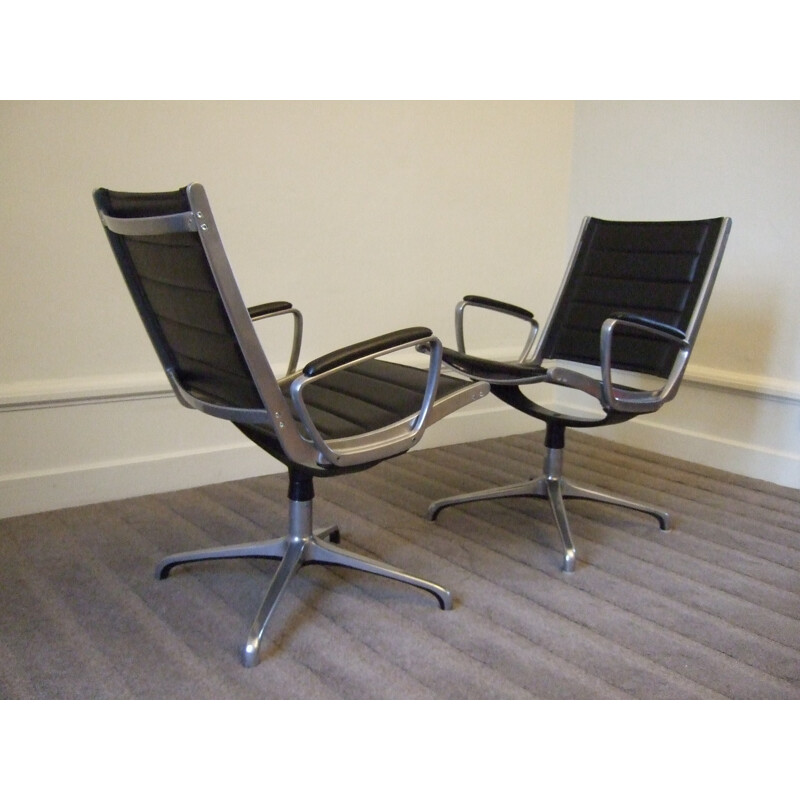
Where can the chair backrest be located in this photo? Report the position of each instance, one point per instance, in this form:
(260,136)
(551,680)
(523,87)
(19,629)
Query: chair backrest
(660,270)
(171,256)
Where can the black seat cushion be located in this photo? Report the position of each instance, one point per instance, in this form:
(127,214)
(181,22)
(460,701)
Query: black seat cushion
(357,400)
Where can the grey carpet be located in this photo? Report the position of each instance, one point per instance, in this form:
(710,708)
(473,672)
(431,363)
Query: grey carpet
(708,610)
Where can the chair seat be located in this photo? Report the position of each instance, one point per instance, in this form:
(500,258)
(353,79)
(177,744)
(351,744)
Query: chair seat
(357,400)
(630,303)
(171,257)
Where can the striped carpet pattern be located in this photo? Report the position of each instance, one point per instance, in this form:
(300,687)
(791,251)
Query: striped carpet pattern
(710,610)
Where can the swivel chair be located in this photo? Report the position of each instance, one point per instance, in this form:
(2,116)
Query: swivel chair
(342,412)
(621,331)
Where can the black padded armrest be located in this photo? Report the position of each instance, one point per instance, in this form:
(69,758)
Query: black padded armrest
(493,371)
(345,355)
(498,305)
(652,324)
(504,308)
(265,309)
(278,308)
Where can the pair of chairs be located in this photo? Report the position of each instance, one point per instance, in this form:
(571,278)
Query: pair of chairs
(632,299)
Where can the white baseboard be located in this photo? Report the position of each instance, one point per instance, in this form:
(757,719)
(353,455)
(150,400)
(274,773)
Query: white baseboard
(45,490)
(736,425)
(741,458)
(130,438)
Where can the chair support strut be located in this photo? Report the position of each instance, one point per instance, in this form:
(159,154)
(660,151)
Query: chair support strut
(553,486)
(301,546)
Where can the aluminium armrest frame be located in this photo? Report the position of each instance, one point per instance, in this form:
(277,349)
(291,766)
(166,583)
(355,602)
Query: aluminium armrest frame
(363,448)
(383,442)
(277,309)
(508,309)
(640,401)
(301,447)
(612,397)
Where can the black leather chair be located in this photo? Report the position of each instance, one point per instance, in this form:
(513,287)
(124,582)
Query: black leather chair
(621,331)
(343,412)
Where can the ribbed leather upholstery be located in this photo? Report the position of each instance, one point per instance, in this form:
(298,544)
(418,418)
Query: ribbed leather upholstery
(368,396)
(171,256)
(359,399)
(173,274)
(650,268)
(175,277)
(177,297)
(645,279)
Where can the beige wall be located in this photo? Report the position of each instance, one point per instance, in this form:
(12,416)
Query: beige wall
(371,216)
(740,409)
(367,216)
(702,159)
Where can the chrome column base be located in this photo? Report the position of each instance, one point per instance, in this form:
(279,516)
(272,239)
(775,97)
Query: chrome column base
(301,546)
(555,488)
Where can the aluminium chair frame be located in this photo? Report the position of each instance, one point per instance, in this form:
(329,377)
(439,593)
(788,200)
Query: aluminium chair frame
(305,451)
(617,402)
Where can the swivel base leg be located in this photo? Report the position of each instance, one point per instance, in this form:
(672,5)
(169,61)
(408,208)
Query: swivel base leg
(540,487)
(555,488)
(299,547)
(571,490)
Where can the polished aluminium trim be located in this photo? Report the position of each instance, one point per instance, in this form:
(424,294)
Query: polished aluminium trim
(297,337)
(384,442)
(296,448)
(536,357)
(692,329)
(472,391)
(150,226)
(555,488)
(527,348)
(397,438)
(300,546)
(613,397)
(245,416)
